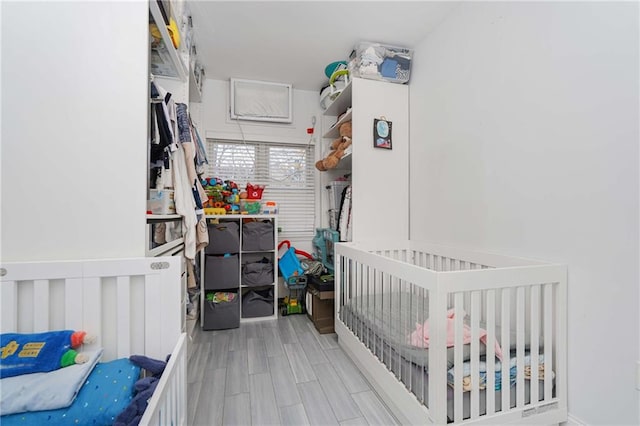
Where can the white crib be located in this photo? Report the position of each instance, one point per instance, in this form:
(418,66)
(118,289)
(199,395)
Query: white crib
(133,306)
(383,290)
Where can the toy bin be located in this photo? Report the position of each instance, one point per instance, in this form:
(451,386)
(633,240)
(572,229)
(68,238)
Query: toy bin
(258,236)
(161,201)
(221,315)
(258,303)
(221,272)
(379,61)
(257,274)
(224,237)
(250,206)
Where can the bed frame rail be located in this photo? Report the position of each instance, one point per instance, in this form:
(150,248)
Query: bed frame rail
(131,305)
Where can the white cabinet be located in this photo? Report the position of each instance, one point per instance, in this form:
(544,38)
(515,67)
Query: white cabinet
(380,177)
(239,271)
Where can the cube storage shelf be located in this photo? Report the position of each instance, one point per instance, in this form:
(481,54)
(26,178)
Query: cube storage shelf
(240,264)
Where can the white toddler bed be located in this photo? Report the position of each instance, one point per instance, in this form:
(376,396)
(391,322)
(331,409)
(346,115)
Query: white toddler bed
(422,322)
(132,306)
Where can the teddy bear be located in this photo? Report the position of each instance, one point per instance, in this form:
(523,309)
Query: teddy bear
(41,352)
(338,146)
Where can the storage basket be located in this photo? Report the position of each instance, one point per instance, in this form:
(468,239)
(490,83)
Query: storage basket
(257,273)
(257,303)
(223,315)
(258,236)
(224,237)
(221,272)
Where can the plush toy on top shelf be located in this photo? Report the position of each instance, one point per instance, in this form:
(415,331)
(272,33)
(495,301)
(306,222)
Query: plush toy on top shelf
(338,147)
(41,352)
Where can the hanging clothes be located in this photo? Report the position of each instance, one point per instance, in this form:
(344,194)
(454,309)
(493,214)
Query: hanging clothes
(345,216)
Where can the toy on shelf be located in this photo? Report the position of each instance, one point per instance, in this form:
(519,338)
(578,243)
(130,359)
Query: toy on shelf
(254,192)
(338,148)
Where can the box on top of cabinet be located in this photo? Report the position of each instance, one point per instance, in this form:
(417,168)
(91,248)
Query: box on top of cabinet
(379,61)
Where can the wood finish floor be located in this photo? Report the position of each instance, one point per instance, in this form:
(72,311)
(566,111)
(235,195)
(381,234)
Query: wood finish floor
(278,372)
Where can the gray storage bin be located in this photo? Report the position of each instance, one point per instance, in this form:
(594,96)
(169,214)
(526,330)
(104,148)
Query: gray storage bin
(224,237)
(257,303)
(257,236)
(220,316)
(257,274)
(221,272)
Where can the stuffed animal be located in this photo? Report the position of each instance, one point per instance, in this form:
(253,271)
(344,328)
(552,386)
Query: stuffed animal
(338,146)
(41,352)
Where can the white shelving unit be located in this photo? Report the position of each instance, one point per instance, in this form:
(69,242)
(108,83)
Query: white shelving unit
(166,61)
(239,255)
(375,172)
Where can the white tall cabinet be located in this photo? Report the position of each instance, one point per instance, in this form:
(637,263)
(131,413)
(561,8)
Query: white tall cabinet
(74,125)
(380,177)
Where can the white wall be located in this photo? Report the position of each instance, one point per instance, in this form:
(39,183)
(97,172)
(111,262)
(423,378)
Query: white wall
(74,102)
(524,141)
(212,119)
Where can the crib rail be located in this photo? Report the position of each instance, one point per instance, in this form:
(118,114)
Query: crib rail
(131,305)
(434,317)
(168,405)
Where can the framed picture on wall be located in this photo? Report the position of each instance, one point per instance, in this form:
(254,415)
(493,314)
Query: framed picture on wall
(381,133)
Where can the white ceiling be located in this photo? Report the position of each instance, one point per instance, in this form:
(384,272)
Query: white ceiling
(293,41)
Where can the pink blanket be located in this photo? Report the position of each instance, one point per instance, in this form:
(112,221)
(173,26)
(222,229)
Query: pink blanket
(420,337)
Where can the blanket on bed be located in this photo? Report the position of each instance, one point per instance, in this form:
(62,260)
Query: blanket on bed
(106,392)
(45,391)
(467,380)
(421,337)
(391,316)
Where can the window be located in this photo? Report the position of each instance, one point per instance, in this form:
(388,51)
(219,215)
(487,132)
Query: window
(286,170)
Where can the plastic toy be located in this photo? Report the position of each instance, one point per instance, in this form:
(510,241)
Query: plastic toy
(41,352)
(214,210)
(254,192)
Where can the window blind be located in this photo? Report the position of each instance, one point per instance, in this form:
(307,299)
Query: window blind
(286,170)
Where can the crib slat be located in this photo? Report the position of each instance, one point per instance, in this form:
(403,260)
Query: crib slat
(40,305)
(9,300)
(506,344)
(548,341)
(534,347)
(491,366)
(72,293)
(475,354)
(152,309)
(458,399)
(92,312)
(123,316)
(520,323)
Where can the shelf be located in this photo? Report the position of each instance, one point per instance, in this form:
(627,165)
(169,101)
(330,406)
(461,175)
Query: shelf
(195,92)
(342,102)
(164,249)
(334,131)
(162,217)
(345,161)
(165,60)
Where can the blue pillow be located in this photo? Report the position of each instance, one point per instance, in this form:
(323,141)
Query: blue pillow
(107,392)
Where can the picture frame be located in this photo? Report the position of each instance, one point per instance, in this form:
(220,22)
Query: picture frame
(382,133)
